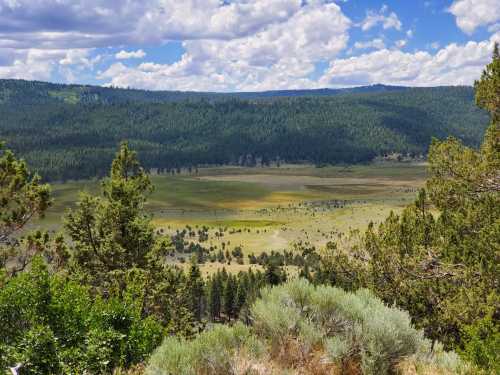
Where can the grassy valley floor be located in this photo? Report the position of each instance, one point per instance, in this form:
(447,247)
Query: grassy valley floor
(264,209)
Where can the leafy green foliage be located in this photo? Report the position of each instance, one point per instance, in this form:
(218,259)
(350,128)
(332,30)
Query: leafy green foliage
(22,197)
(51,325)
(38,352)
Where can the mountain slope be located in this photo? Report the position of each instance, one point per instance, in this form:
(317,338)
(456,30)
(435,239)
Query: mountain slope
(72,131)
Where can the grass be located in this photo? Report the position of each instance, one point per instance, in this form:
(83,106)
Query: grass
(268,208)
(193,193)
(67,96)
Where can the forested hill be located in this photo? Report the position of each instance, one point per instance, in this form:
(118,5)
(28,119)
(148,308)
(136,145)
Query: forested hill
(35,92)
(72,131)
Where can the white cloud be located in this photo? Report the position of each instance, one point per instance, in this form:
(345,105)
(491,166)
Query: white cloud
(100,23)
(79,57)
(123,55)
(258,43)
(471,14)
(280,55)
(400,43)
(434,45)
(452,65)
(383,17)
(242,45)
(377,43)
(41,64)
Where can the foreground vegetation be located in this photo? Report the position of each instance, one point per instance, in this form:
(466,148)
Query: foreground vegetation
(307,329)
(100,296)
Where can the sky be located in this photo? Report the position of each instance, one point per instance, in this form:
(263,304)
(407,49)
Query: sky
(247,45)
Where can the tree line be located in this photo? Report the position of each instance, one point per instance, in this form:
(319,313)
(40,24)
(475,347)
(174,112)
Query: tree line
(64,136)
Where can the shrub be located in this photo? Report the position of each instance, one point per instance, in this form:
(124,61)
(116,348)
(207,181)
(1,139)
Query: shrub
(213,352)
(174,356)
(349,325)
(104,350)
(312,330)
(482,343)
(38,352)
(52,325)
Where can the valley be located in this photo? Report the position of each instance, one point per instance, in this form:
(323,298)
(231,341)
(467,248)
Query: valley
(265,209)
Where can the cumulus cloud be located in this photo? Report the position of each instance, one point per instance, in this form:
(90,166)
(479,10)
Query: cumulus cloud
(124,55)
(400,43)
(40,64)
(280,55)
(101,23)
(471,14)
(228,45)
(383,17)
(453,65)
(377,43)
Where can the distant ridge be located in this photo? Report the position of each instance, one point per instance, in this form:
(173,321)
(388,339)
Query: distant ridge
(90,93)
(321,92)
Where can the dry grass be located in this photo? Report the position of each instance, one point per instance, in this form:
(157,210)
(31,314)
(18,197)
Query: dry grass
(409,367)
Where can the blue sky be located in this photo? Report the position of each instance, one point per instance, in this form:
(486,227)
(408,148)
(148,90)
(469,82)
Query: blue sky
(235,45)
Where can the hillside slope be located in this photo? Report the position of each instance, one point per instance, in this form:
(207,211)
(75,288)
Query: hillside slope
(68,132)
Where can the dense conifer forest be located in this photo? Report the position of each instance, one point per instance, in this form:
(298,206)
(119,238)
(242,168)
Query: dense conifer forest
(71,131)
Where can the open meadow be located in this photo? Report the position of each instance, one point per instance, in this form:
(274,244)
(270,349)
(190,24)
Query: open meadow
(266,209)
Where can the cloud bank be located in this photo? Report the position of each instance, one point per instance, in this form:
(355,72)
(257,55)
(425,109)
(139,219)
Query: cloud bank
(232,45)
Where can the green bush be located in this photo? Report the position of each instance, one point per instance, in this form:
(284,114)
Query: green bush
(296,319)
(482,343)
(38,352)
(213,352)
(174,356)
(53,325)
(349,325)
(23,303)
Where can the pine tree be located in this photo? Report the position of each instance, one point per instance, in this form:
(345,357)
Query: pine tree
(229,297)
(195,290)
(111,233)
(22,196)
(215,296)
(241,292)
(273,274)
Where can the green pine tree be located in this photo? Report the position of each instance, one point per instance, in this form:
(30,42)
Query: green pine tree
(195,290)
(229,297)
(111,233)
(215,296)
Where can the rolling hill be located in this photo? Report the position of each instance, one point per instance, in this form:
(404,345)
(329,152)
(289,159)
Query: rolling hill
(71,131)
